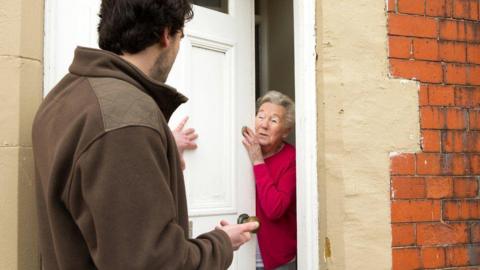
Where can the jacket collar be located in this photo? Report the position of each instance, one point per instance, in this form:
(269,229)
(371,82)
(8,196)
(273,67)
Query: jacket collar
(99,63)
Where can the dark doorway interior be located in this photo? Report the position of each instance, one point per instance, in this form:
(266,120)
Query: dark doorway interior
(274,49)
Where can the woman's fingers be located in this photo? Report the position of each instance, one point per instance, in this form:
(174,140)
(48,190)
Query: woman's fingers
(192,137)
(181,125)
(189,131)
(250,132)
(191,146)
(247,132)
(248,141)
(249,136)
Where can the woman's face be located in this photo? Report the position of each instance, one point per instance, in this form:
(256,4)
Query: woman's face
(270,126)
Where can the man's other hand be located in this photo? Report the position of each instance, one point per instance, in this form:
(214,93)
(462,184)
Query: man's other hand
(239,233)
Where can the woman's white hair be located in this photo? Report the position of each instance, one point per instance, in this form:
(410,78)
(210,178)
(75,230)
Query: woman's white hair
(280,99)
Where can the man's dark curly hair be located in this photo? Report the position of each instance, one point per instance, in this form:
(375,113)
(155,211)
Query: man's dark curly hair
(133,25)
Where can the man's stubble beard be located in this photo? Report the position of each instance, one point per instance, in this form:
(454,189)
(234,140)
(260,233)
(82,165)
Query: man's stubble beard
(161,68)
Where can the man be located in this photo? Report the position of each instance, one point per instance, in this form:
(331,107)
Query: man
(110,188)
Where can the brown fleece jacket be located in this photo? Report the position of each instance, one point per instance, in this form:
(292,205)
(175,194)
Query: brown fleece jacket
(110,190)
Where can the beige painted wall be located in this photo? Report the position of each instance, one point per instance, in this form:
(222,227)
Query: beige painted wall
(363,115)
(21,50)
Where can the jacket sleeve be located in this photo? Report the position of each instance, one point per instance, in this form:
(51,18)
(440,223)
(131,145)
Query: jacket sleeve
(275,195)
(121,200)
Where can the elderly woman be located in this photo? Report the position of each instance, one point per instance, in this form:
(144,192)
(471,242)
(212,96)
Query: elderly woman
(273,162)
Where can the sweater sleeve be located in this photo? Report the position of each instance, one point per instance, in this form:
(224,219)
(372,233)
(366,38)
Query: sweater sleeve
(275,195)
(122,202)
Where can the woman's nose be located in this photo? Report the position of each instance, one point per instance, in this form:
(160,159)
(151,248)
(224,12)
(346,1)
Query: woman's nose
(264,124)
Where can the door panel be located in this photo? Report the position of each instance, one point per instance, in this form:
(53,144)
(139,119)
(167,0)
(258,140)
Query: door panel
(215,69)
(210,163)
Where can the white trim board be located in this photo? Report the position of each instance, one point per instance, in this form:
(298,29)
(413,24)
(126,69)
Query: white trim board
(306,135)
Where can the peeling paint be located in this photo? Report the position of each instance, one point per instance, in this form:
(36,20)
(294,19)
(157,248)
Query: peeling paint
(393,154)
(380,121)
(327,249)
(404,81)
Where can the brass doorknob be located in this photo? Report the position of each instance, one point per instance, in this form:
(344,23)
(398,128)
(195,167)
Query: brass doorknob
(244,218)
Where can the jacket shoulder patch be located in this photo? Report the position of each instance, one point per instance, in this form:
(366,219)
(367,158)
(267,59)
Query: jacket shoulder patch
(122,104)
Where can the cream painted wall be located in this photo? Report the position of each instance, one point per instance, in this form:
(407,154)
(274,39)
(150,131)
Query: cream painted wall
(21,50)
(363,115)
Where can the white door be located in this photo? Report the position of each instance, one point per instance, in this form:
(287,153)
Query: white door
(215,69)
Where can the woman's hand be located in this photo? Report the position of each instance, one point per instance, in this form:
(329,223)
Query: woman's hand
(185,139)
(254,150)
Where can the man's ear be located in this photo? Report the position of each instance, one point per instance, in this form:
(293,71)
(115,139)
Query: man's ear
(165,37)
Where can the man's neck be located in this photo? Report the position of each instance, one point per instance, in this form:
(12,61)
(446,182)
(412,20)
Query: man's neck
(143,60)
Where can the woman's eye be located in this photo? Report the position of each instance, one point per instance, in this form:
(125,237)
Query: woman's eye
(275,121)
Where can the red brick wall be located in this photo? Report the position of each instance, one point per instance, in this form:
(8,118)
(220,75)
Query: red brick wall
(435,203)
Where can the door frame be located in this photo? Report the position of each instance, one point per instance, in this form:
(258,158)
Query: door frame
(306,124)
(306,134)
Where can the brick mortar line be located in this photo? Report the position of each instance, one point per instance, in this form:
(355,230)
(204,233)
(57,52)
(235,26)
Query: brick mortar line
(437,222)
(436,61)
(434,17)
(461,176)
(415,233)
(437,199)
(441,175)
(452,107)
(445,246)
(467,126)
(390,76)
(466,267)
(437,245)
(433,152)
(438,39)
(440,245)
(469,232)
